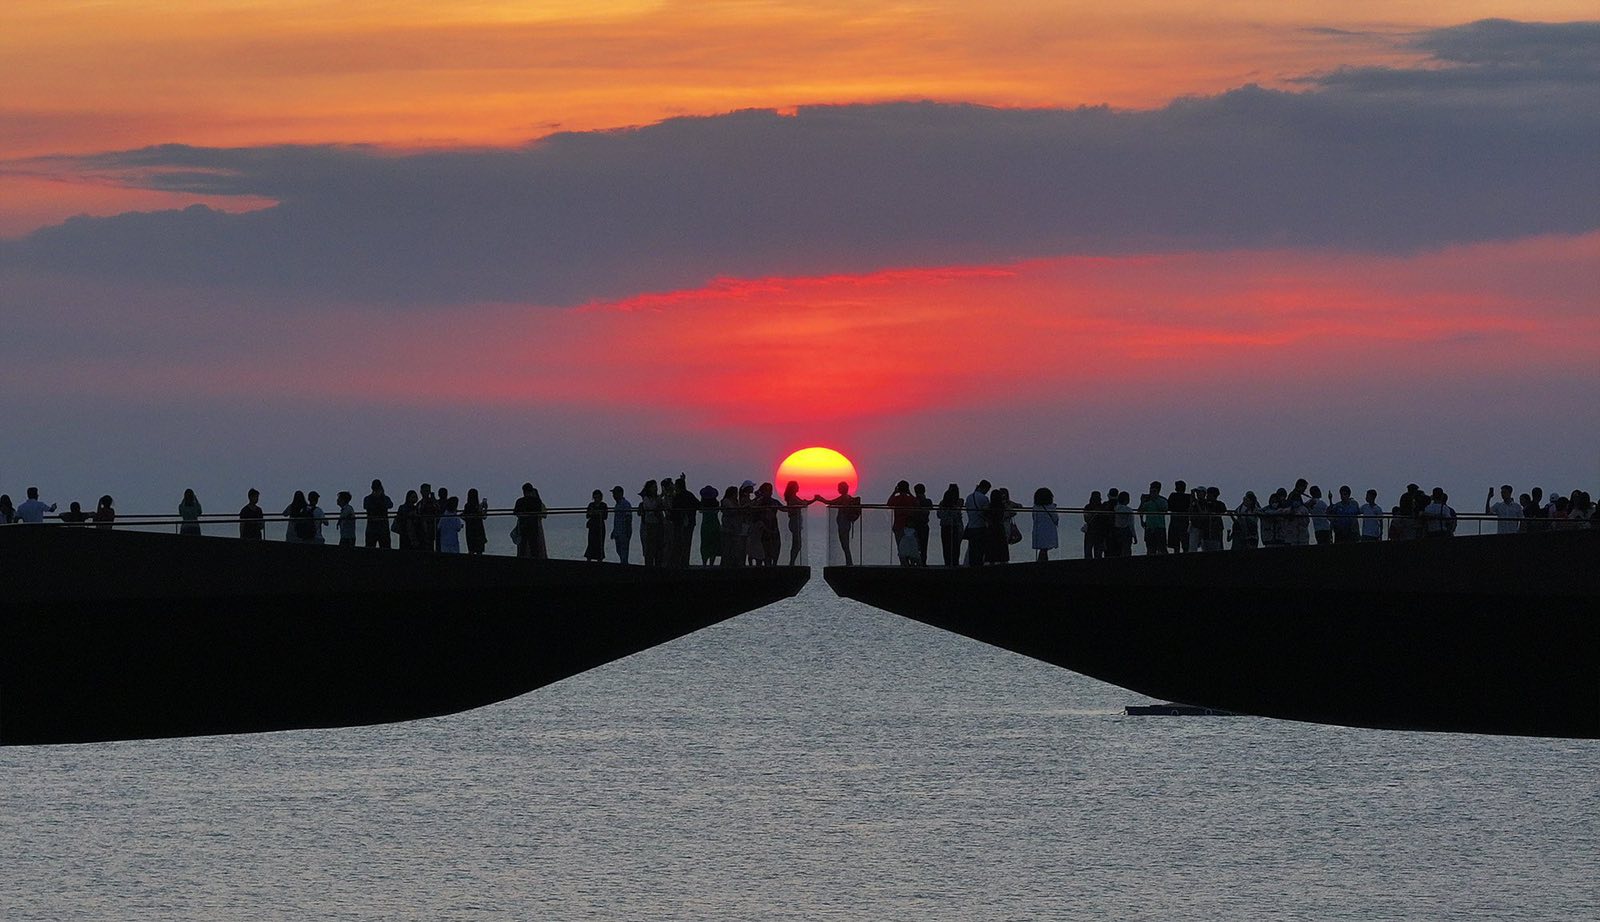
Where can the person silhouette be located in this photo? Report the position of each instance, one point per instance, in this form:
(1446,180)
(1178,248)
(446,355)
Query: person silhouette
(33,509)
(426,523)
(104,513)
(847,509)
(347,519)
(621,523)
(476,516)
(8,512)
(405,522)
(594,520)
(950,515)
(252,524)
(1046,522)
(710,526)
(189,511)
(977,526)
(74,515)
(316,515)
(733,527)
(296,512)
(795,506)
(450,526)
(650,523)
(376,505)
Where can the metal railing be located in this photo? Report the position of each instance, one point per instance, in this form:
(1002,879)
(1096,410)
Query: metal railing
(563,532)
(876,534)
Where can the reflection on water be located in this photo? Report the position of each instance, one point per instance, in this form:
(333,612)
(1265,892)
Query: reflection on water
(816,759)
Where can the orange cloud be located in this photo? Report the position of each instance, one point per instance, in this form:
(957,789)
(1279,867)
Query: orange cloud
(85,76)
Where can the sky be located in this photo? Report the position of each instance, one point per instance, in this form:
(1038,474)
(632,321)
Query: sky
(296,245)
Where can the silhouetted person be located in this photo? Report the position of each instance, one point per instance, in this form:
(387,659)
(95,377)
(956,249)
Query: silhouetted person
(621,523)
(1178,504)
(377,505)
(950,525)
(1153,519)
(767,544)
(749,523)
(796,508)
(1534,516)
(405,522)
(189,511)
(1507,512)
(1119,543)
(1211,527)
(1344,517)
(347,519)
(33,510)
(1000,538)
(1371,518)
(594,522)
(1246,534)
(530,510)
(298,513)
(104,514)
(8,512)
(450,526)
(921,521)
(444,502)
(732,508)
(976,530)
(476,517)
(686,509)
(901,504)
(1096,526)
(252,521)
(74,515)
(1403,519)
(1320,526)
(427,520)
(317,516)
(710,526)
(651,523)
(1046,524)
(847,510)
(1438,519)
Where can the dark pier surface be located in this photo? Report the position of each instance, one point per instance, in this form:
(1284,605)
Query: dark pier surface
(1494,634)
(120,635)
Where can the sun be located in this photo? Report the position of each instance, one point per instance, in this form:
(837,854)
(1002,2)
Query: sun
(817,470)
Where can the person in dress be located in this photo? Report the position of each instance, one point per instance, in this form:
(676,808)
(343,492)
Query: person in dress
(189,512)
(450,527)
(1046,524)
(8,512)
(594,520)
(950,515)
(476,516)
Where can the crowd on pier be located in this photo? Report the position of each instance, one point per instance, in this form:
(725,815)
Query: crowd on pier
(745,525)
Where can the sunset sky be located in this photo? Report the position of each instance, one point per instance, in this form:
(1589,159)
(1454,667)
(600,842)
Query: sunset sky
(302,244)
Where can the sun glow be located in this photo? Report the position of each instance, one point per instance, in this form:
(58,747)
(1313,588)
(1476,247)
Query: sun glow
(818,470)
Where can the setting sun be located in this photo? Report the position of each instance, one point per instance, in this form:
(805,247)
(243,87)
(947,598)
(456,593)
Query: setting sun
(818,471)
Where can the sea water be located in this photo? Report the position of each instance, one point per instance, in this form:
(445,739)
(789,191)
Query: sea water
(817,759)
